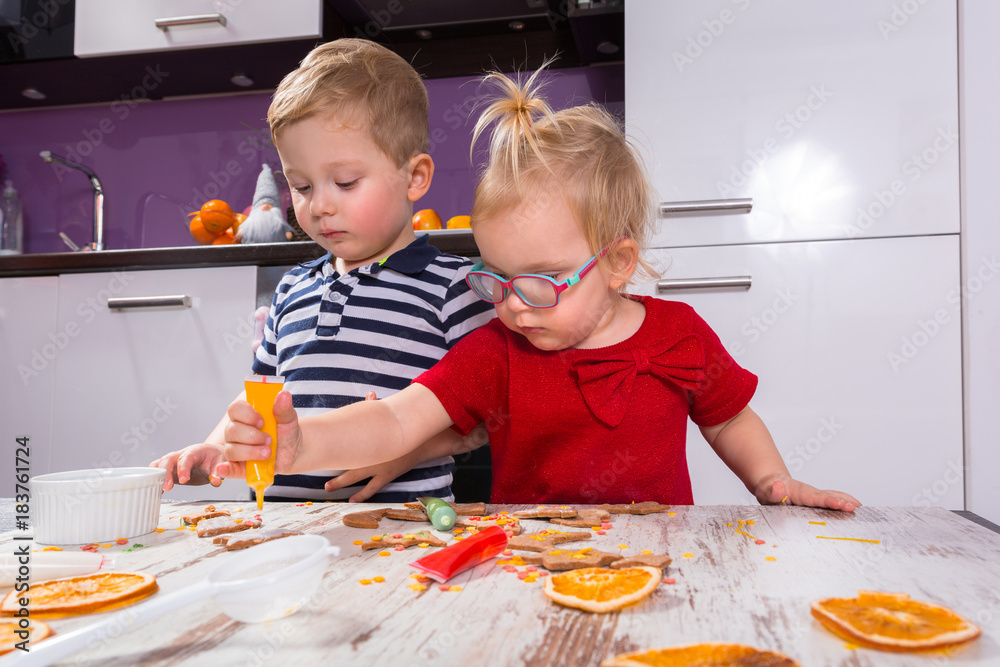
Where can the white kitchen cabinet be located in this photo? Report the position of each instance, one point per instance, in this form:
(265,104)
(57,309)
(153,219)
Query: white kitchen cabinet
(857,345)
(839,120)
(30,344)
(139,382)
(113,27)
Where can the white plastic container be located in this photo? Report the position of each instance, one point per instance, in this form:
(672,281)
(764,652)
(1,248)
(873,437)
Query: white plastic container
(98,505)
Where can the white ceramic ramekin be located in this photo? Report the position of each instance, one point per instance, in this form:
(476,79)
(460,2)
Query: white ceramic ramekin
(99,505)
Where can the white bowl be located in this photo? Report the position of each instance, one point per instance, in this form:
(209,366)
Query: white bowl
(99,505)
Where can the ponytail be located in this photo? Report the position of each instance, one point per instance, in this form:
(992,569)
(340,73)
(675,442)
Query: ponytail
(514,117)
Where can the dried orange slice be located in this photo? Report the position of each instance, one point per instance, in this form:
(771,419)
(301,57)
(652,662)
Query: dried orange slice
(600,589)
(701,655)
(893,622)
(9,637)
(81,595)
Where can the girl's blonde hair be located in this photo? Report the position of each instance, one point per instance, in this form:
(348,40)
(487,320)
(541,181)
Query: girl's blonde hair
(583,150)
(359,81)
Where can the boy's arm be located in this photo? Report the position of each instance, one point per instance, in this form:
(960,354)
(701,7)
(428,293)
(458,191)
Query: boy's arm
(361,434)
(447,443)
(746,446)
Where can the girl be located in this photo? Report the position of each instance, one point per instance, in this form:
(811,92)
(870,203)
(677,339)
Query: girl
(584,389)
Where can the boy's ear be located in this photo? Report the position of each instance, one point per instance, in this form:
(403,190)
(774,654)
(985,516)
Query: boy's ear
(421,173)
(622,258)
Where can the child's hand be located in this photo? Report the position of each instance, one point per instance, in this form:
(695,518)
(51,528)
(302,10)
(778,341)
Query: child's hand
(783,489)
(246,442)
(194,465)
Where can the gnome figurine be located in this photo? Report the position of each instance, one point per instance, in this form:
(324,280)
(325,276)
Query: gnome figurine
(266,222)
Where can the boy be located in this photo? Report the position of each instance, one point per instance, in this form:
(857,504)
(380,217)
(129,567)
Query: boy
(350,125)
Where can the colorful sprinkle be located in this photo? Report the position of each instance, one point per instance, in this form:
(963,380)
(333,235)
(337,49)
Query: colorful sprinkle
(399,547)
(605,526)
(160,530)
(52,549)
(308,502)
(602,532)
(852,539)
(383,553)
(424,545)
(398,536)
(417,587)
(121,540)
(378,580)
(358,542)
(646,552)
(623,546)
(376,538)
(670,580)
(743,533)
(770,558)
(759,542)
(454,589)
(689,555)
(818,523)
(671,513)
(443,587)
(508,552)
(106,546)
(364,582)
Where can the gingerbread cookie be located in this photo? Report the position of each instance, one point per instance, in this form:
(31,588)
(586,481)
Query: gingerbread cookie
(368,520)
(651,560)
(544,540)
(253,539)
(403,539)
(224,524)
(585,518)
(208,513)
(646,507)
(407,515)
(461,509)
(543,512)
(557,560)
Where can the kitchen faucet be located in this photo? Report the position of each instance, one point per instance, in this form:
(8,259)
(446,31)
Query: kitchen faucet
(95,183)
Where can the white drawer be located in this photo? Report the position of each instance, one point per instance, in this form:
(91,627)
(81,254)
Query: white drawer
(857,345)
(136,383)
(107,27)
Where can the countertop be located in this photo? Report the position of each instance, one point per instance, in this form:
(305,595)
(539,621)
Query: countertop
(743,574)
(456,242)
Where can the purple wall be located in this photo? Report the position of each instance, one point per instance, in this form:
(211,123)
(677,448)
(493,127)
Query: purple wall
(160,160)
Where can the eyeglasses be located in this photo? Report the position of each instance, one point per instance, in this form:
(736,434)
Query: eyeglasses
(534,290)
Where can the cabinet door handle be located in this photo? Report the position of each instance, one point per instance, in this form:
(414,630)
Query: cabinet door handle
(681,209)
(195,19)
(136,302)
(735,282)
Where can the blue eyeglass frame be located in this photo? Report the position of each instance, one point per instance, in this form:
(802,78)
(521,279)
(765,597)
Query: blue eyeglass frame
(559,286)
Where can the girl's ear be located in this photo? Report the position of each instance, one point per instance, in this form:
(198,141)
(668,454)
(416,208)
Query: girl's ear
(421,173)
(622,258)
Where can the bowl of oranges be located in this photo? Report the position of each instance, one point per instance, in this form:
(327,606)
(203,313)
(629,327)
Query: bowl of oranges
(215,223)
(428,220)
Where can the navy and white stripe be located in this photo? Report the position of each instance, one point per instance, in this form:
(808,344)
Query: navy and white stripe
(335,337)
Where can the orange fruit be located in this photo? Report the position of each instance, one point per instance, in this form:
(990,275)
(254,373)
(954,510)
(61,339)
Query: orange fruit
(460,222)
(216,215)
(225,238)
(37,631)
(893,622)
(426,219)
(199,233)
(701,655)
(240,217)
(82,595)
(600,589)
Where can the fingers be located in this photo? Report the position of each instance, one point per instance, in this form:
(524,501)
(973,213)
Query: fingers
(284,413)
(368,491)
(230,470)
(347,478)
(370,396)
(168,463)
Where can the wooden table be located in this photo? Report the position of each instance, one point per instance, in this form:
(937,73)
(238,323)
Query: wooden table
(728,588)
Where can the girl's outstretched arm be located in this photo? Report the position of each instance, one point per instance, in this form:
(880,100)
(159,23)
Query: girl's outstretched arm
(746,446)
(353,436)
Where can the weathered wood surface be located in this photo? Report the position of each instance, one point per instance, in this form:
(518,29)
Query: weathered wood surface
(726,590)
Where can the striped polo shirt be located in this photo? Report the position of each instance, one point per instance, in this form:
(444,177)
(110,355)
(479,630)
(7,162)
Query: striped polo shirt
(335,337)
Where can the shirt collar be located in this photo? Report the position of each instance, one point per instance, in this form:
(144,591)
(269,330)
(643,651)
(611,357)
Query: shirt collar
(411,260)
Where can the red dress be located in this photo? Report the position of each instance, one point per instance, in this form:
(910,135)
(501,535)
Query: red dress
(603,425)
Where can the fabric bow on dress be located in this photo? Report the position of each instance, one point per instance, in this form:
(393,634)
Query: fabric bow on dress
(607,382)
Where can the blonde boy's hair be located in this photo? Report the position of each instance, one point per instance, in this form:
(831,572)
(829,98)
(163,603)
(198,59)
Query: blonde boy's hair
(359,82)
(582,151)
